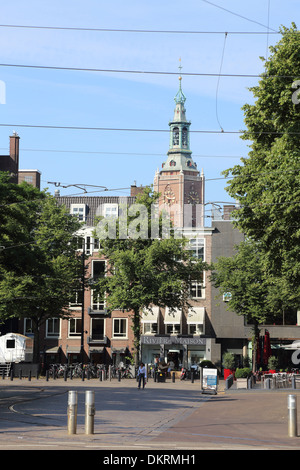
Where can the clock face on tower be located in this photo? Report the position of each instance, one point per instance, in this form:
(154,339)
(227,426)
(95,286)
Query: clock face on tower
(169,196)
(193,197)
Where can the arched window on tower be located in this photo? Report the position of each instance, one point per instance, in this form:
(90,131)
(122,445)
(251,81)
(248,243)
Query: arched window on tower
(176,136)
(184,137)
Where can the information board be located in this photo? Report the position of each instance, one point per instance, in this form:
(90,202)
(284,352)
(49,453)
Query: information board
(209,380)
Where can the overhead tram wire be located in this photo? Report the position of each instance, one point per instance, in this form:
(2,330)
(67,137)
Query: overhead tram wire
(138,31)
(116,129)
(146,72)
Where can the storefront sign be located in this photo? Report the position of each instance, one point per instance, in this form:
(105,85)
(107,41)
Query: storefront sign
(145,339)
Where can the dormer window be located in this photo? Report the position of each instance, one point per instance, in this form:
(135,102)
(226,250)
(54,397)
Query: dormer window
(79,210)
(172,163)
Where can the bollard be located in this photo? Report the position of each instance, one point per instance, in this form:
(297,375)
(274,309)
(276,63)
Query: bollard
(29,376)
(11,375)
(173,377)
(109,372)
(82,375)
(292,418)
(72,412)
(119,376)
(89,412)
(20,374)
(65,375)
(3,374)
(192,377)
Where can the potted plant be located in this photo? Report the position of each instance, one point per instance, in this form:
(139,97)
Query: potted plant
(228,364)
(272,364)
(242,376)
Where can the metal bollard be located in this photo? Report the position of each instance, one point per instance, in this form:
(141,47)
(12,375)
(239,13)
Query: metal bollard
(89,412)
(29,376)
(119,376)
(109,372)
(292,415)
(72,412)
(173,377)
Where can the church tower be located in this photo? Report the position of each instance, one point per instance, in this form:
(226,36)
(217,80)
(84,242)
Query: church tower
(179,182)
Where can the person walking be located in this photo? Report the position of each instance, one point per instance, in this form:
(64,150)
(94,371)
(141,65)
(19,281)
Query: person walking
(142,375)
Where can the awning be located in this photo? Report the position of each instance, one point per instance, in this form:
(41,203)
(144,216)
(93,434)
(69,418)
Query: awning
(196,315)
(149,316)
(96,350)
(73,350)
(172,317)
(54,350)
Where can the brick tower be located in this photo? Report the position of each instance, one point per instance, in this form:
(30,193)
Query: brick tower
(179,182)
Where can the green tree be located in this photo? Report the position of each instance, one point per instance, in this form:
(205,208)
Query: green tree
(267,183)
(254,293)
(39,269)
(144,271)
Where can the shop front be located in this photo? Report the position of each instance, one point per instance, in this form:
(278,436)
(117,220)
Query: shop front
(178,351)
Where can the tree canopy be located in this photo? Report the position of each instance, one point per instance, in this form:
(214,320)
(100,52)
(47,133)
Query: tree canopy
(267,182)
(39,269)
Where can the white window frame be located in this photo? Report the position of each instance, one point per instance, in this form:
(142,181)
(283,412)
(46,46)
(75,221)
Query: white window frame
(198,286)
(120,335)
(99,303)
(198,329)
(198,244)
(79,210)
(74,335)
(111,210)
(148,328)
(53,335)
(172,329)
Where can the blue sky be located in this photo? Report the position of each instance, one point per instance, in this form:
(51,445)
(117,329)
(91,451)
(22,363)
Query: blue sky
(114,158)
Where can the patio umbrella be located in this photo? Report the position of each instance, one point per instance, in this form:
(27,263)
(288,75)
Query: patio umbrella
(267,347)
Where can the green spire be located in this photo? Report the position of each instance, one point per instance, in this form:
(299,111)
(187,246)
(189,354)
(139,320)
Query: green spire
(180,97)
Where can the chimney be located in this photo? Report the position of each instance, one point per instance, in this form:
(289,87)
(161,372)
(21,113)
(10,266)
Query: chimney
(14,149)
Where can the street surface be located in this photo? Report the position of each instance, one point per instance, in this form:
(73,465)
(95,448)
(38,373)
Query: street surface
(165,417)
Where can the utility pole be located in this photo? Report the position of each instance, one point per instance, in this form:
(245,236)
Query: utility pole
(82,302)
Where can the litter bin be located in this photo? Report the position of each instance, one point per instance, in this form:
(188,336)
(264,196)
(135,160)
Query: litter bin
(161,376)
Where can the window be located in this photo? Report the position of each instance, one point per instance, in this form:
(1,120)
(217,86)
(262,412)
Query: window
(197,290)
(76,299)
(78,210)
(97,329)
(184,137)
(173,329)
(196,246)
(75,327)
(98,270)
(150,328)
(176,136)
(53,328)
(119,327)
(10,344)
(111,210)
(28,327)
(195,329)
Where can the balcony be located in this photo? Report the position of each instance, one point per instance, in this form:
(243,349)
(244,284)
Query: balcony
(97,339)
(100,312)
